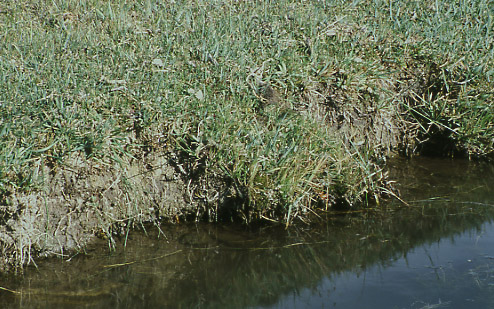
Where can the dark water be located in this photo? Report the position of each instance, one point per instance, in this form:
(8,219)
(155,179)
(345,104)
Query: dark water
(437,252)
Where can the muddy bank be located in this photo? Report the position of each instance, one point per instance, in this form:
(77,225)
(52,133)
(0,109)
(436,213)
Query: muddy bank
(82,199)
(85,198)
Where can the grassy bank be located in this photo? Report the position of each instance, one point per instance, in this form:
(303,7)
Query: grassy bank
(252,109)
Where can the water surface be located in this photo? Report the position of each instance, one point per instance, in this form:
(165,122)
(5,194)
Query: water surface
(437,252)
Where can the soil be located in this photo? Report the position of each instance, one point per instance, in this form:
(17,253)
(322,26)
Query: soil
(83,199)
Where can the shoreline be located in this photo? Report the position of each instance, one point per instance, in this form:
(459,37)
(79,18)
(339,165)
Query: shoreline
(116,114)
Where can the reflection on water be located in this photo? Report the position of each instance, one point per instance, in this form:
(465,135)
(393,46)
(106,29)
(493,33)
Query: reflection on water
(436,252)
(451,273)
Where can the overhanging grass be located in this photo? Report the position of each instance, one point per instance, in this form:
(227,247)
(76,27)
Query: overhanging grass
(113,79)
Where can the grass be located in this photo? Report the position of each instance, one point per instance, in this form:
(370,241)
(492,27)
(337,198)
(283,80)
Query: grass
(119,79)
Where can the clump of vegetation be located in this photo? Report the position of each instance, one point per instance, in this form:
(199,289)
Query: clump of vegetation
(446,79)
(286,107)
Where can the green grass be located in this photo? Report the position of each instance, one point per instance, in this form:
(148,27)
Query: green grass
(115,79)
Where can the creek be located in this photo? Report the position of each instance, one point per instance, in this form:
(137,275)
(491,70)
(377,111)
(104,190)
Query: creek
(435,252)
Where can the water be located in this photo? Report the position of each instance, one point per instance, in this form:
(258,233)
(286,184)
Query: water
(438,252)
(452,273)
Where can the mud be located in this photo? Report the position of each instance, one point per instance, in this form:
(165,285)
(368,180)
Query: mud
(357,117)
(83,199)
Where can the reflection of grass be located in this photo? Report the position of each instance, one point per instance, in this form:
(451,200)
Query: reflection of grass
(270,264)
(289,261)
(483,275)
(112,80)
(423,305)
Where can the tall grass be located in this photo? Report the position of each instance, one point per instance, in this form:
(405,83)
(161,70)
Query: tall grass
(114,79)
